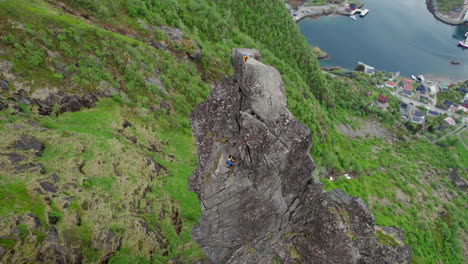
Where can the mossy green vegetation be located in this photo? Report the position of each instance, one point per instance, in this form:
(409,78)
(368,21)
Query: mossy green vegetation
(386,239)
(449,5)
(106,179)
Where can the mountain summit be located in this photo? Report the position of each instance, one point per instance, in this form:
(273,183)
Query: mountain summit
(268,207)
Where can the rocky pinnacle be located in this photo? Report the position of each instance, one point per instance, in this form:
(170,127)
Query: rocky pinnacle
(268,207)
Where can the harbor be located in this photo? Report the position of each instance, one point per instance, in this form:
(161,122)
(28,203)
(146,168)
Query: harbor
(392,44)
(464,43)
(343,9)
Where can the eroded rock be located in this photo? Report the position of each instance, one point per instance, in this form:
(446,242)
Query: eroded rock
(269,206)
(48,187)
(28,142)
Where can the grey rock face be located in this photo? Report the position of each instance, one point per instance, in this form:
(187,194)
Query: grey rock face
(28,142)
(268,206)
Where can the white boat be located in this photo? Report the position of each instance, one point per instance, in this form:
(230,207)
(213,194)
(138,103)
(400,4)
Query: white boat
(421,77)
(464,43)
(413,77)
(353,17)
(364,12)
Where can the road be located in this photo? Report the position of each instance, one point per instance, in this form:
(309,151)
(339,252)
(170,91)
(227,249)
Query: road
(431,105)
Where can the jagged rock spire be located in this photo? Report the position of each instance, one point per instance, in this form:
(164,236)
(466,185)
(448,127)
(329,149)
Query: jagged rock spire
(269,206)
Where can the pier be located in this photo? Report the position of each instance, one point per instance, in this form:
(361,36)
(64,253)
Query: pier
(361,12)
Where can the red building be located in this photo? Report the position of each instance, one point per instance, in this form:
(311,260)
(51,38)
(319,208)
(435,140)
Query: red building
(383,99)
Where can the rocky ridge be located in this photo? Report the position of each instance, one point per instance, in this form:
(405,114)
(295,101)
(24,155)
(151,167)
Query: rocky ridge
(269,207)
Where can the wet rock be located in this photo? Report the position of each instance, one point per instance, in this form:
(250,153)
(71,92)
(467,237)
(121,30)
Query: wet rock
(52,235)
(54,177)
(20,97)
(159,46)
(77,220)
(3,106)
(48,187)
(73,103)
(3,86)
(132,139)
(28,142)
(36,221)
(157,82)
(30,167)
(269,205)
(53,218)
(176,36)
(174,261)
(126,124)
(105,240)
(58,254)
(13,157)
(47,103)
(458,181)
(167,106)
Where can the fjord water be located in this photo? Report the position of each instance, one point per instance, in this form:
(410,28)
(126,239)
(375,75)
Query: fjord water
(396,35)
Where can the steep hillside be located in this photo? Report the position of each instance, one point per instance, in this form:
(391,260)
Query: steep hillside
(96,147)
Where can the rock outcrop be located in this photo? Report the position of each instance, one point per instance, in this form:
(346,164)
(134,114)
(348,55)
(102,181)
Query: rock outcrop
(269,208)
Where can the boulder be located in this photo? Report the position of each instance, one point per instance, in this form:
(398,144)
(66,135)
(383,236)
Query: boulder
(73,103)
(3,106)
(3,86)
(176,37)
(13,157)
(269,207)
(20,97)
(48,187)
(28,142)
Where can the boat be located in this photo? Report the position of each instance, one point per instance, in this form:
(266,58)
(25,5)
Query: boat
(364,12)
(413,77)
(464,43)
(421,77)
(353,17)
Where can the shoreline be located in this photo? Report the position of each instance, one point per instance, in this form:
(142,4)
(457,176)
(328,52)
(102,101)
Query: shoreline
(431,7)
(303,11)
(429,76)
(315,12)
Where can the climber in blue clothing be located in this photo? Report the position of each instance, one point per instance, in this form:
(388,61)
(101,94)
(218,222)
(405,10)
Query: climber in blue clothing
(231,161)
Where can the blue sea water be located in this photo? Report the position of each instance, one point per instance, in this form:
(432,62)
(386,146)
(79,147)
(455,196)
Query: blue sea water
(396,35)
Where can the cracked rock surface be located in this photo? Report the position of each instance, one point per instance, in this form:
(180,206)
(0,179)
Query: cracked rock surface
(268,207)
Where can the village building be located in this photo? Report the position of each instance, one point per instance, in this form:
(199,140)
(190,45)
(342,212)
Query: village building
(383,99)
(390,84)
(407,93)
(416,120)
(407,81)
(421,89)
(443,87)
(450,121)
(432,113)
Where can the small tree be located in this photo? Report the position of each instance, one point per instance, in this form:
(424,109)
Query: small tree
(360,68)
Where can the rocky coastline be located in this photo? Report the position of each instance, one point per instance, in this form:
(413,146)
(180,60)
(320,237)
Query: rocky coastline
(449,18)
(303,11)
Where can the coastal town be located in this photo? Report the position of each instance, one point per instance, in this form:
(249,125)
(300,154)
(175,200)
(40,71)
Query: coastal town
(424,104)
(300,9)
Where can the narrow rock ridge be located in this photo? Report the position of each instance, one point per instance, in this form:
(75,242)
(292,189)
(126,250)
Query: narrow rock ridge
(269,207)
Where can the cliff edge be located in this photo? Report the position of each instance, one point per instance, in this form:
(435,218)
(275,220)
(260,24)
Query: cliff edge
(268,207)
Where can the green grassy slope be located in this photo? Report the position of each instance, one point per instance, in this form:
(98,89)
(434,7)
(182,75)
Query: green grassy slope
(80,46)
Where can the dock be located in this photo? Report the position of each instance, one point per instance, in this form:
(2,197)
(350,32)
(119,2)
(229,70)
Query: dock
(362,13)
